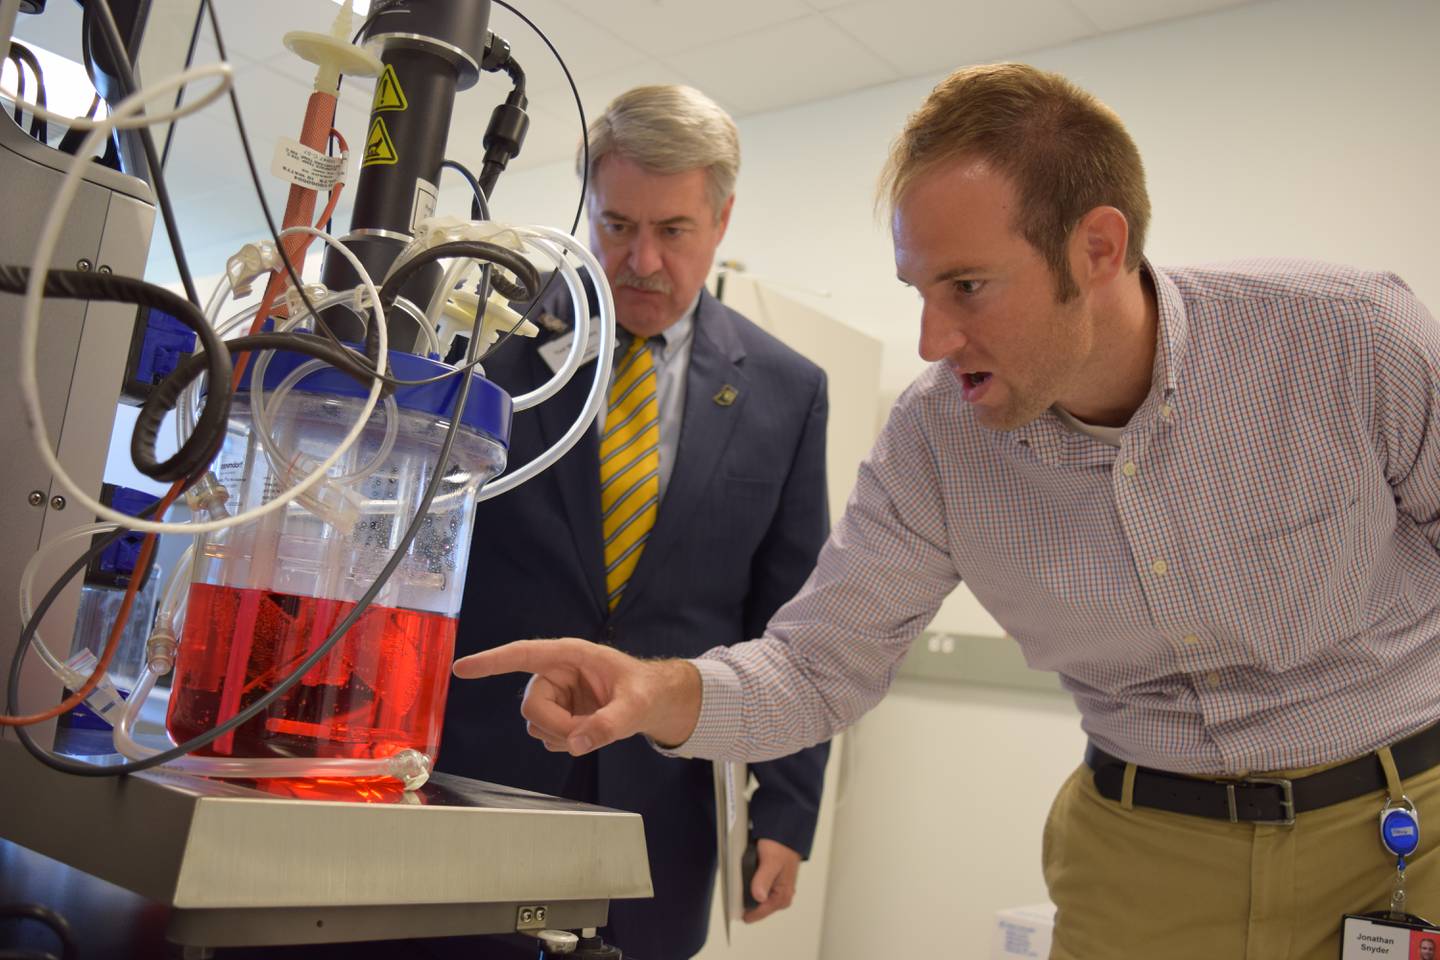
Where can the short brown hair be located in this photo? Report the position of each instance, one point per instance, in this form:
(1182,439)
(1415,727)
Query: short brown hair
(1066,152)
(669,128)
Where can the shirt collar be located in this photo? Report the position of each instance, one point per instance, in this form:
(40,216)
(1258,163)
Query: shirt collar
(1047,433)
(674,336)
(679,333)
(1173,334)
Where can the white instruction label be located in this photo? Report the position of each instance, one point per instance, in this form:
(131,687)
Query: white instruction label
(298,164)
(423,205)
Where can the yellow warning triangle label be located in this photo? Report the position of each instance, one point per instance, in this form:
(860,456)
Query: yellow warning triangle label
(379,148)
(388,94)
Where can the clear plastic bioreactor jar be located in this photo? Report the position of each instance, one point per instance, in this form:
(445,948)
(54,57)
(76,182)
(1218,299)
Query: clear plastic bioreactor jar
(266,594)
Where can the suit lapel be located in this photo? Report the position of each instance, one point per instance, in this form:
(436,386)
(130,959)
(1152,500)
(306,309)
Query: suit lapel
(577,474)
(705,431)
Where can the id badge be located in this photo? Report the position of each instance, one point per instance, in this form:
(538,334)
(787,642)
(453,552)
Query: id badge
(1371,937)
(553,352)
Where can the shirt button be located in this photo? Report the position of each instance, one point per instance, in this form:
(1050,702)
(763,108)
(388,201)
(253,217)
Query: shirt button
(1128,469)
(1159,567)
(1191,640)
(1213,680)
(1166,410)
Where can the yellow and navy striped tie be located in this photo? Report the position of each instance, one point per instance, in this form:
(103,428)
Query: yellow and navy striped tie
(629,466)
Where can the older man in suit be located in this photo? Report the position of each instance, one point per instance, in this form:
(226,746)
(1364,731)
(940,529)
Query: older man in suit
(683,521)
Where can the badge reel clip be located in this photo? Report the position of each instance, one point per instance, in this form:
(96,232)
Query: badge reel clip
(1400,835)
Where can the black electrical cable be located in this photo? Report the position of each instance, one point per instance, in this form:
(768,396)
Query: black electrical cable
(19,53)
(162,397)
(192,458)
(18,112)
(43,915)
(180,94)
(524,270)
(479,206)
(512,68)
(579,107)
(113,40)
(505,134)
(27,635)
(70,142)
(584,177)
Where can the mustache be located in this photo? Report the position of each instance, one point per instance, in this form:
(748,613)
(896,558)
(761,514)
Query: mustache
(654,282)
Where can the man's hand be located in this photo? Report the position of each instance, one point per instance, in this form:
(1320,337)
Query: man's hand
(583,696)
(773,885)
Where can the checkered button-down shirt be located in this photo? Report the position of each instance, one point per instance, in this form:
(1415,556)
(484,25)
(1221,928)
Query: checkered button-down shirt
(1250,582)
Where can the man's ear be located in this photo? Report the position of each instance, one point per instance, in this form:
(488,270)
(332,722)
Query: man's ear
(1098,246)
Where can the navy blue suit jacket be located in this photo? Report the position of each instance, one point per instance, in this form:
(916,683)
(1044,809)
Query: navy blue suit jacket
(739,527)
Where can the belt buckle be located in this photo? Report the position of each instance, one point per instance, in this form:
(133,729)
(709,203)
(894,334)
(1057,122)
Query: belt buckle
(1287,798)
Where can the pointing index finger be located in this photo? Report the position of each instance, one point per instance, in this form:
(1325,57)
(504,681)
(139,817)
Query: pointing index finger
(521,656)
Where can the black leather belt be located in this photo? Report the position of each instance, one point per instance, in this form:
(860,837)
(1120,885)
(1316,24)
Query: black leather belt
(1263,799)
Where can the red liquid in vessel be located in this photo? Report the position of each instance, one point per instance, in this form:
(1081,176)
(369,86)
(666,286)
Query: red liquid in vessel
(380,690)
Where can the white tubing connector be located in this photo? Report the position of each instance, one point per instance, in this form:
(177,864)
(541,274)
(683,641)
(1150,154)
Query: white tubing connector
(333,53)
(104,700)
(458,317)
(251,261)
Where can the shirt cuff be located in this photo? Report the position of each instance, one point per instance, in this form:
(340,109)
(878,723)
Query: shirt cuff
(719,726)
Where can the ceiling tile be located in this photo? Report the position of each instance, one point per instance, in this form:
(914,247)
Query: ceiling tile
(588,48)
(272,103)
(1111,15)
(785,64)
(663,28)
(921,36)
(204,152)
(597,91)
(256,28)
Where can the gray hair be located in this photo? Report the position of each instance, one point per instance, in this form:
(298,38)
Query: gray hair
(669,129)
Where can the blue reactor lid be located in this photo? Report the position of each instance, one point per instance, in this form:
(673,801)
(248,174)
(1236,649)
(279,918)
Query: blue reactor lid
(487,409)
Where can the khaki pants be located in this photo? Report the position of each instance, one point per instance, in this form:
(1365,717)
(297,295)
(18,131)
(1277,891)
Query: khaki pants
(1137,883)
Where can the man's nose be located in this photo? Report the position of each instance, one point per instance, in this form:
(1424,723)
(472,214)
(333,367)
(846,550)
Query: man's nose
(940,335)
(644,254)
